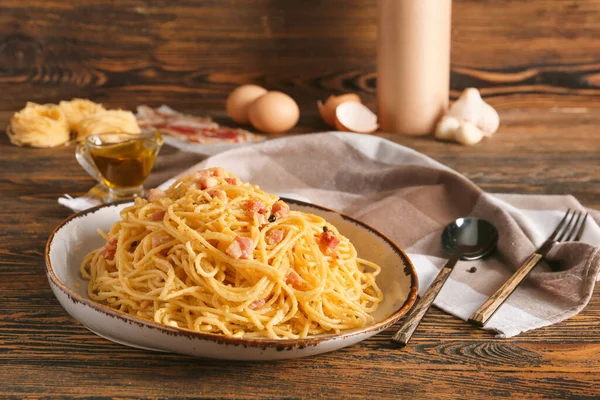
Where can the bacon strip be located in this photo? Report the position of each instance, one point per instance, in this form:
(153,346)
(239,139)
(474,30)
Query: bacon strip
(258,208)
(206,182)
(295,280)
(257,304)
(280,209)
(196,176)
(274,236)
(110,248)
(218,172)
(240,247)
(328,241)
(190,128)
(254,206)
(158,215)
(218,194)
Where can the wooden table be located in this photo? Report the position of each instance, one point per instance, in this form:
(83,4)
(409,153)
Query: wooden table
(535,60)
(45,352)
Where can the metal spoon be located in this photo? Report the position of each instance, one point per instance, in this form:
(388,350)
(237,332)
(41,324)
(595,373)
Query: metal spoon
(467,239)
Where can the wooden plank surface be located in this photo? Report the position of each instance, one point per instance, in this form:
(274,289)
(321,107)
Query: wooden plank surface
(190,54)
(45,352)
(535,60)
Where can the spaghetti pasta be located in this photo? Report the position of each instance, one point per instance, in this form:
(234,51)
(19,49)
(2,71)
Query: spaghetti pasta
(212,254)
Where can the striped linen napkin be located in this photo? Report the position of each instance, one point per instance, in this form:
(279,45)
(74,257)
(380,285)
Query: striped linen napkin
(411,198)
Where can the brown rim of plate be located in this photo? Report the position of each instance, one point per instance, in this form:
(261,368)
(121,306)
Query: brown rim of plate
(409,269)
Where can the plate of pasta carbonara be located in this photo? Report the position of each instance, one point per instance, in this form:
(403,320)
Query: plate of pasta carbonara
(216,267)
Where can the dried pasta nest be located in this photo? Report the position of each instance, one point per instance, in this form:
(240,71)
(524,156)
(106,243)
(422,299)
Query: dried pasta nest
(107,122)
(39,125)
(50,125)
(78,109)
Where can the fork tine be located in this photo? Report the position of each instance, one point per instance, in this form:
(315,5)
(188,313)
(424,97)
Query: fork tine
(580,233)
(574,229)
(567,230)
(559,226)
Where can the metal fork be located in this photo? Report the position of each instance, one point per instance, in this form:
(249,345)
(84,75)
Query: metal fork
(569,228)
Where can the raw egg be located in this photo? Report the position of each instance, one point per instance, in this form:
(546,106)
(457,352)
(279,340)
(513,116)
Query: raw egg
(274,112)
(239,102)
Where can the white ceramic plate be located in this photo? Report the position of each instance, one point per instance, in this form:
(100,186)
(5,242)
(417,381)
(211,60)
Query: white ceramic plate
(77,235)
(206,149)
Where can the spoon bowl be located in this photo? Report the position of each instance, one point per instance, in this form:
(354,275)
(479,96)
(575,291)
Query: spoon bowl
(473,238)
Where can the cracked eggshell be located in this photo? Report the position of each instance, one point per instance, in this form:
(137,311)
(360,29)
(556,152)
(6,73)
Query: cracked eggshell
(355,117)
(327,109)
